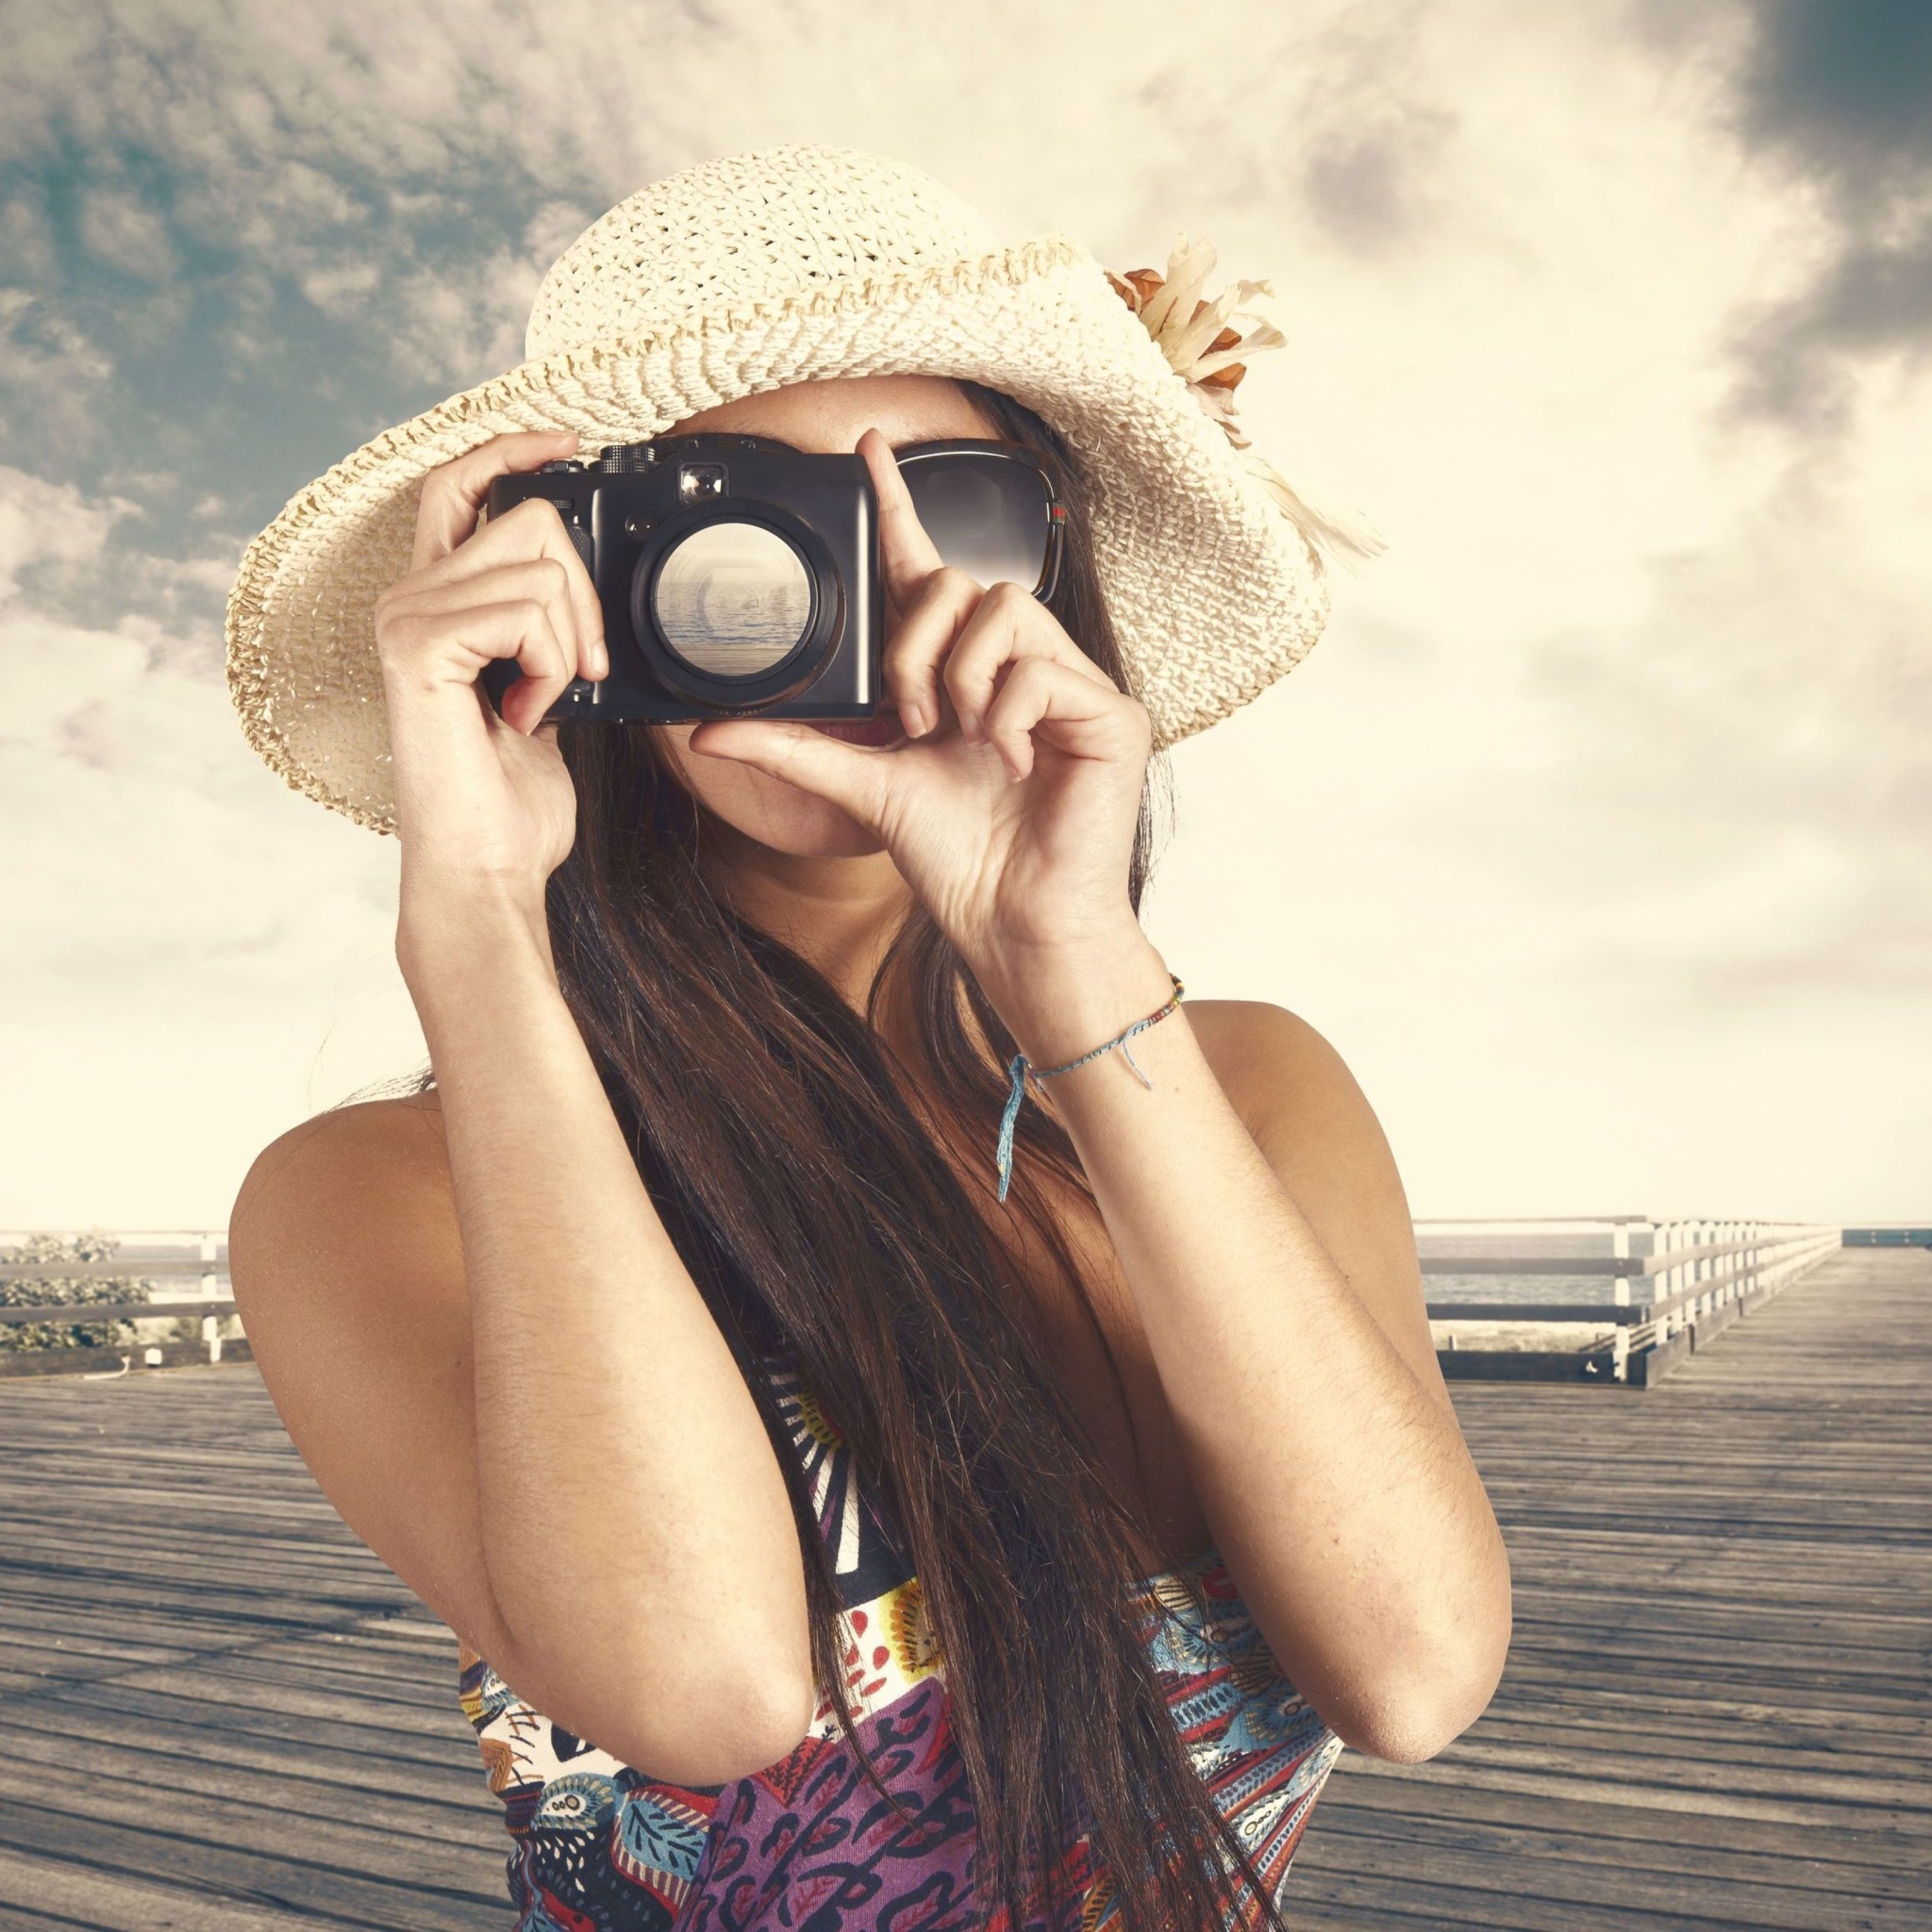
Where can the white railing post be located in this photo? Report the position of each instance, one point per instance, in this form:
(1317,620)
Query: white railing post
(210,1288)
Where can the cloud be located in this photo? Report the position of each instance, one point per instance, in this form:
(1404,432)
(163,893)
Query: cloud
(1737,790)
(51,374)
(1612,761)
(195,958)
(1841,95)
(121,230)
(242,239)
(120,755)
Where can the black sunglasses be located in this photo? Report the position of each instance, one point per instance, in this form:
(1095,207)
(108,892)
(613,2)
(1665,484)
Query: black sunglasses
(996,510)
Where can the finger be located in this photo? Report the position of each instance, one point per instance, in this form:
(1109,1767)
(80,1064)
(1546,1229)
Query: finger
(924,634)
(529,530)
(454,492)
(520,628)
(907,555)
(854,778)
(544,579)
(1009,623)
(1052,701)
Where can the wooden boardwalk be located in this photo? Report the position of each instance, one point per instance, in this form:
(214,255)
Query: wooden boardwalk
(1716,1710)
(219,1713)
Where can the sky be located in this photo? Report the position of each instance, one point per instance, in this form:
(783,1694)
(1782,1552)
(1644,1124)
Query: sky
(1592,834)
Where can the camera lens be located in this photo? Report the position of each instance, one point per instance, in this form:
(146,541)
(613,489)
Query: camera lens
(732,599)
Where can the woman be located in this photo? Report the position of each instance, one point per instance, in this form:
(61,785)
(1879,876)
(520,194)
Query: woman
(876,1530)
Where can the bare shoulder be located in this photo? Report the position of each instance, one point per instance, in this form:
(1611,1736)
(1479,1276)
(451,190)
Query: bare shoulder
(1310,1119)
(394,1125)
(347,1225)
(1274,1066)
(1296,1096)
(346,1258)
(301,1182)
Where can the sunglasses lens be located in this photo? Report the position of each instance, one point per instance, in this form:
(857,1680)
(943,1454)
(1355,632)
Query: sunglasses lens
(985,515)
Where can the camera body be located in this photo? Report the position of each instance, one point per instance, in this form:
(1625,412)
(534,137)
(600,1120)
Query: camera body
(738,578)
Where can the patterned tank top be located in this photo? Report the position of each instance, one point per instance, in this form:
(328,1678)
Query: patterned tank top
(806,1846)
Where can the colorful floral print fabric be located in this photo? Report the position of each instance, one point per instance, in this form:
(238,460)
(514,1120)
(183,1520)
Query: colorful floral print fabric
(807,1845)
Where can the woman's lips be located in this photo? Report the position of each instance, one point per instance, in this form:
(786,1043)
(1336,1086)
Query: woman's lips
(881,730)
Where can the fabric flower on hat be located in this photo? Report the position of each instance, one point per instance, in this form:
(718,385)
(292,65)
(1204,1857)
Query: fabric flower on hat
(1210,354)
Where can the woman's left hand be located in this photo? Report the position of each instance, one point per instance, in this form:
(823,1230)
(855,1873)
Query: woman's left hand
(1014,820)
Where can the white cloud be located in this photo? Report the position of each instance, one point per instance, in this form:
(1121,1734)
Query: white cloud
(456,328)
(168,896)
(123,231)
(1590,833)
(48,365)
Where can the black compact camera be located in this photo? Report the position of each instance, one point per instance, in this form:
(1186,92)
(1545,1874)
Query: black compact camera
(737,578)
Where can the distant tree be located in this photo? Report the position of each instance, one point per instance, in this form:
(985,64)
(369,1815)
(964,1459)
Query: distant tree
(78,1289)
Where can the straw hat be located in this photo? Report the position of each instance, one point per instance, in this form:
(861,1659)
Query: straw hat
(781,266)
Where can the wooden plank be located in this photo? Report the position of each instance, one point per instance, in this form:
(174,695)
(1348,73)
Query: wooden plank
(373,1887)
(48,1891)
(406,1836)
(1588,1866)
(1537,1879)
(410,1761)
(1718,1708)
(1683,1720)
(1624,1834)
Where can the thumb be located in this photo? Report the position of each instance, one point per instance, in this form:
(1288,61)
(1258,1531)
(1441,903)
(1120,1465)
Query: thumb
(854,777)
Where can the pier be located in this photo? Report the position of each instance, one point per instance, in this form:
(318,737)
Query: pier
(219,1713)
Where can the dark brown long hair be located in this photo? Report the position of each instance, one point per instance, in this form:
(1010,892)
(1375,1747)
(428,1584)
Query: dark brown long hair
(799,1166)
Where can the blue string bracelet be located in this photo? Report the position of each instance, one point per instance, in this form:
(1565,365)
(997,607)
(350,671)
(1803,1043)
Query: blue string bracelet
(1021,1069)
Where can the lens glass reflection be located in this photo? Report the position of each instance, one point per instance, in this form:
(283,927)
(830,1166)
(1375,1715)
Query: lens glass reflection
(732,599)
(985,516)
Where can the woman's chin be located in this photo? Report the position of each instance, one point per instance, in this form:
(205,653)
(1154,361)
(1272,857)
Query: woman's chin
(797,823)
(829,834)
(783,817)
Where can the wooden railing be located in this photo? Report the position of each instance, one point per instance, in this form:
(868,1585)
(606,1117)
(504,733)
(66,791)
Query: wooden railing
(1648,1291)
(1622,1298)
(199,1255)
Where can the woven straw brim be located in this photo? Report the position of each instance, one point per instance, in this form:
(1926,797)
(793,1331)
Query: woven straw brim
(1214,591)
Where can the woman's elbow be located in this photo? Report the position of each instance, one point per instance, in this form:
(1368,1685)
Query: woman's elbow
(719,1738)
(1405,1731)
(1412,1715)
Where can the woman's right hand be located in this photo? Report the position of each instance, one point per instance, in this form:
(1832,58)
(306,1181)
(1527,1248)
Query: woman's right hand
(484,801)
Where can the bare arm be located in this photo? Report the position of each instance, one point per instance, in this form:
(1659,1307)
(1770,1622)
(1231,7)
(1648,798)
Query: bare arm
(1274,1289)
(600,1509)
(633,1513)
(1269,1250)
